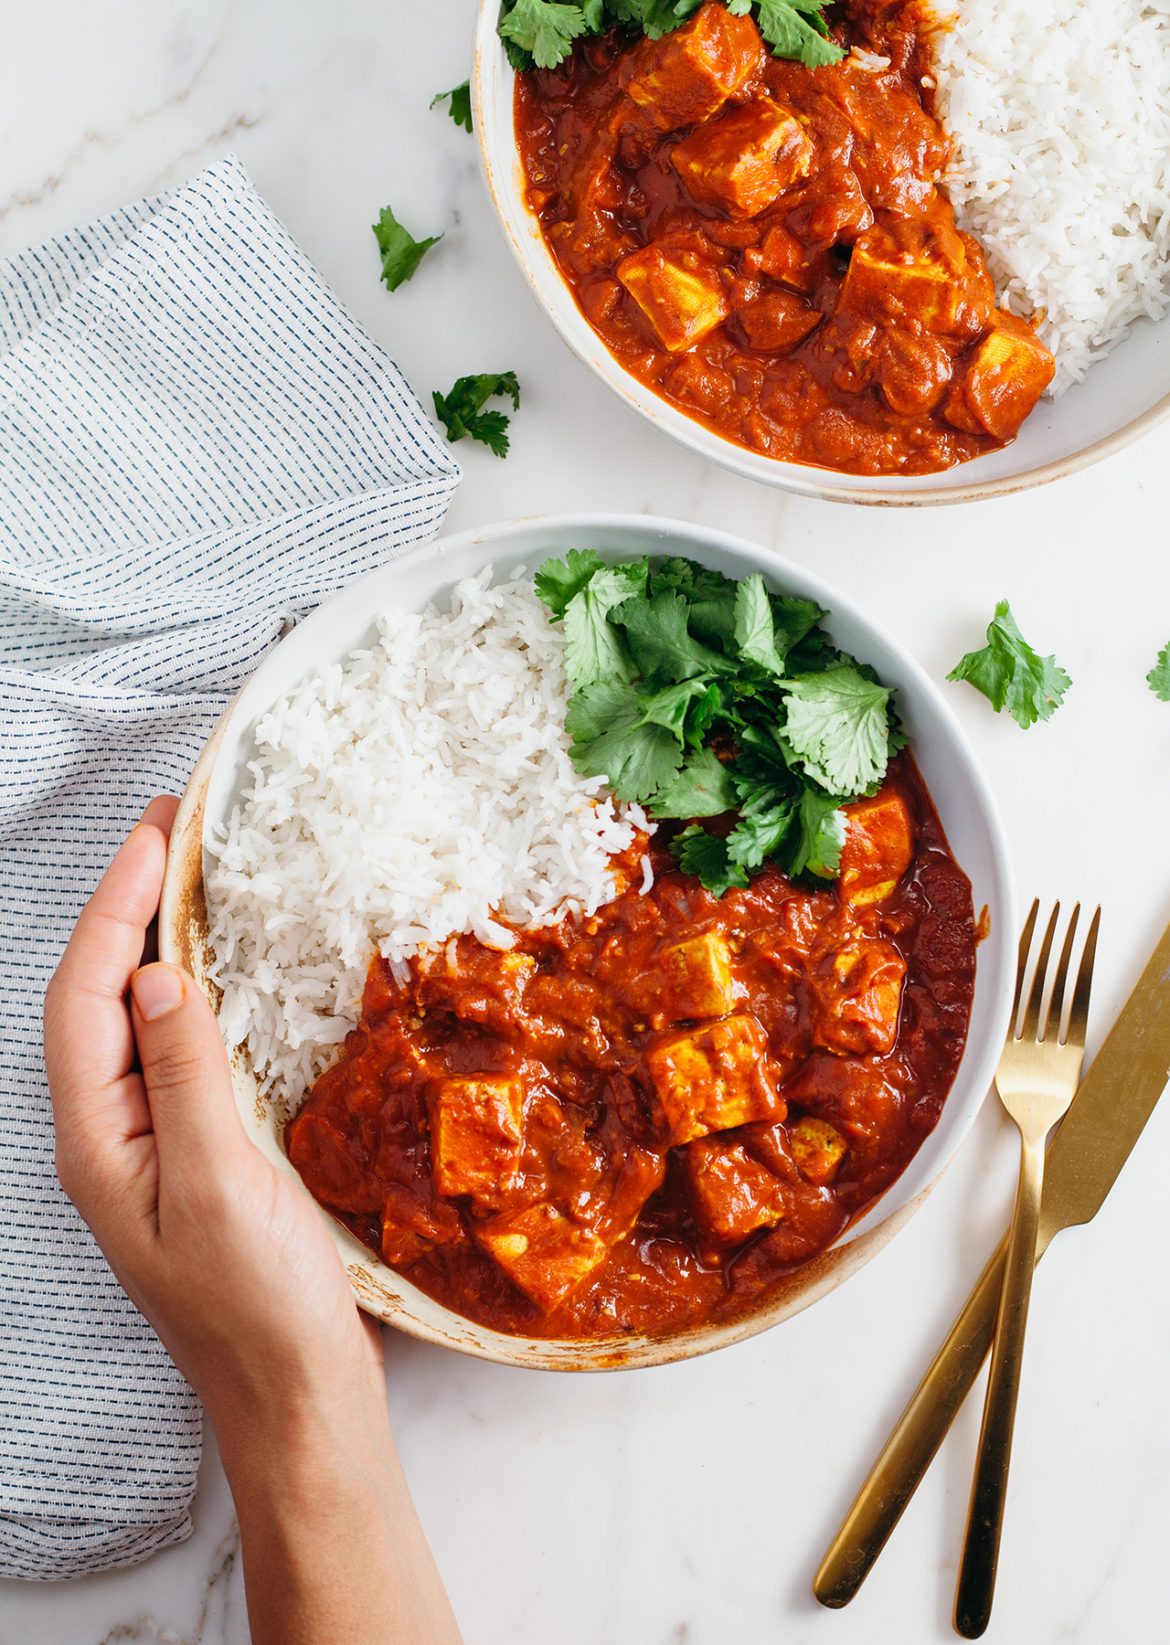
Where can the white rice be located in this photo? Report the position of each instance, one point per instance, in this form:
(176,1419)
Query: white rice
(1060,115)
(411,792)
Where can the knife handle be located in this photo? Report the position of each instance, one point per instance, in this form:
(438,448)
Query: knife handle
(912,1445)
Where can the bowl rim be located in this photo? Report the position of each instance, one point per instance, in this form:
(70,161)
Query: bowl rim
(182,941)
(801,479)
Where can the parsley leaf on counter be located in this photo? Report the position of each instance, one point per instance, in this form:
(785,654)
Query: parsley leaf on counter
(542,32)
(459,107)
(687,700)
(401,252)
(1158,679)
(1011,675)
(461,411)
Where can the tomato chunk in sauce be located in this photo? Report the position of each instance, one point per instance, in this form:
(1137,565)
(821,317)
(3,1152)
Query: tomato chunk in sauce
(636,1120)
(766,245)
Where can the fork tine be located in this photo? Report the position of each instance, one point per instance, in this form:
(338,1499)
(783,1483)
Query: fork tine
(1022,962)
(1079,1015)
(1059,996)
(1031,1025)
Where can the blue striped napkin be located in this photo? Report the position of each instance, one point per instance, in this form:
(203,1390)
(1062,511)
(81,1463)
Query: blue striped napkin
(197,443)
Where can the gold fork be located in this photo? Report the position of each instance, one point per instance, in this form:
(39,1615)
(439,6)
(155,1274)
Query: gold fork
(1036,1079)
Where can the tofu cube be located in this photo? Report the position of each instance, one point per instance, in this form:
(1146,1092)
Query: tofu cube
(817,1147)
(1005,374)
(744,161)
(543,1252)
(681,295)
(696,979)
(688,75)
(858,995)
(713,1078)
(476,1126)
(878,849)
(733,1194)
(906,271)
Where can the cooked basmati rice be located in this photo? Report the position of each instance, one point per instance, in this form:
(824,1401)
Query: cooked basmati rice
(414,791)
(1060,115)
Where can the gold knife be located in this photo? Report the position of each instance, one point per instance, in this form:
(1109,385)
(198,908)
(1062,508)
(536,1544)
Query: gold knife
(1113,1103)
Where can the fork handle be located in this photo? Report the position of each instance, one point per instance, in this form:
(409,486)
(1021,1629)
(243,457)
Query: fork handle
(912,1444)
(976,1585)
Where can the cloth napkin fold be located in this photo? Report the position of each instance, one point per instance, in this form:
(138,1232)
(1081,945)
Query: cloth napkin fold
(197,444)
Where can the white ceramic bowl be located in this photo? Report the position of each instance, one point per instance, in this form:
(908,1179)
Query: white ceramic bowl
(1123,396)
(960,792)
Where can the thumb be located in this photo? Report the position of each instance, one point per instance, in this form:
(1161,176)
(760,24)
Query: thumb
(184,1067)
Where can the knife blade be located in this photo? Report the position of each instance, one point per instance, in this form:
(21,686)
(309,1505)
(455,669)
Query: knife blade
(1108,1114)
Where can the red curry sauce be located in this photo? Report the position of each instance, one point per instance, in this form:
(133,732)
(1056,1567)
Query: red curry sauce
(644,1118)
(765,245)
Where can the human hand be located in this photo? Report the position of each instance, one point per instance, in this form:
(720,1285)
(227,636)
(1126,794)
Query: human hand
(230,1261)
(233,1266)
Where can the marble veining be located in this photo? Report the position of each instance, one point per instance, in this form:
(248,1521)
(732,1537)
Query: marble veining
(687,1505)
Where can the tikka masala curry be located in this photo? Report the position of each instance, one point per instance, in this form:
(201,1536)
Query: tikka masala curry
(647,1117)
(767,245)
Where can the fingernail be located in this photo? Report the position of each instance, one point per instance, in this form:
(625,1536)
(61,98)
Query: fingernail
(158,990)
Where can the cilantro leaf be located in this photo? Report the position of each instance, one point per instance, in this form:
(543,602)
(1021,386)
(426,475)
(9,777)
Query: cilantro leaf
(611,739)
(542,32)
(796,28)
(821,836)
(839,726)
(594,649)
(659,640)
(705,856)
(459,107)
(759,834)
(1011,675)
(703,788)
(557,581)
(755,632)
(401,252)
(669,707)
(461,411)
(543,29)
(1158,678)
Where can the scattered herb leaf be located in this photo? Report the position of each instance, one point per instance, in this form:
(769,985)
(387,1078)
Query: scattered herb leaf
(459,106)
(822,834)
(462,415)
(1011,675)
(401,252)
(1158,678)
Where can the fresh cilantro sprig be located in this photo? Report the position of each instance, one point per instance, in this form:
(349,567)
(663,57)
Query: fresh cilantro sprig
(1011,675)
(1158,679)
(700,697)
(401,252)
(542,33)
(458,101)
(462,415)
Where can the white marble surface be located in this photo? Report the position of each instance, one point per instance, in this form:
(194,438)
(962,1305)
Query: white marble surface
(687,1506)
